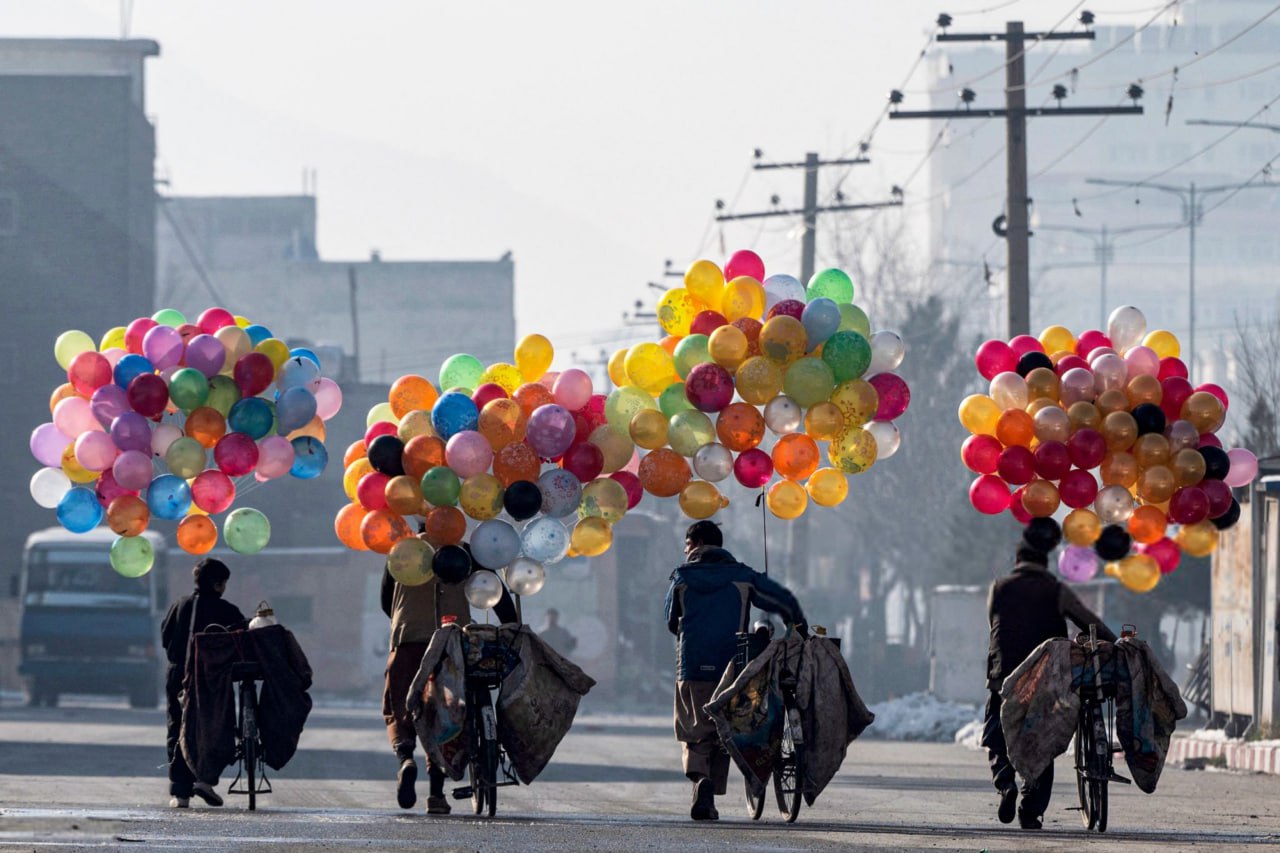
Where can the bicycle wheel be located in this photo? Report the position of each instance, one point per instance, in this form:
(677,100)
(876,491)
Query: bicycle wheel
(1101,770)
(788,767)
(491,774)
(249,737)
(755,805)
(1084,749)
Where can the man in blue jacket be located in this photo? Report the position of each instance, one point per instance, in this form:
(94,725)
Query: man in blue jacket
(708,603)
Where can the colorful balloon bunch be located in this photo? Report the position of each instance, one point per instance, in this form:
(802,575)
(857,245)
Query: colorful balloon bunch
(1108,429)
(744,355)
(162,418)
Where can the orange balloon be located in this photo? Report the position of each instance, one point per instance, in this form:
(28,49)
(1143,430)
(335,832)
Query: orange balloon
(411,392)
(1120,430)
(740,426)
(1144,388)
(446,525)
(664,473)
(1188,466)
(382,529)
(404,495)
(516,461)
(1040,498)
(751,328)
(62,392)
(355,450)
(796,456)
(316,429)
(1015,427)
(346,524)
(1156,484)
(1043,382)
(1119,469)
(1151,449)
(206,425)
(128,515)
(197,534)
(531,395)
(422,454)
(1083,414)
(824,421)
(1147,525)
(502,421)
(669,343)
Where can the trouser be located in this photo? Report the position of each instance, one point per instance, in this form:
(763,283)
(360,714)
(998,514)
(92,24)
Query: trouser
(180,776)
(1035,794)
(402,668)
(703,755)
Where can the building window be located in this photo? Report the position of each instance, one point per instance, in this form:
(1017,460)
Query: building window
(8,214)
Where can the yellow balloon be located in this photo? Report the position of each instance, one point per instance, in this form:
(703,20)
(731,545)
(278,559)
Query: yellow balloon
(828,487)
(380,412)
(351,477)
(73,469)
(857,400)
(481,496)
(591,536)
(409,561)
(69,345)
(650,367)
(787,499)
(534,355)
(979,414)
(1197,540)
(700,499)
(727,346)
(758,380)
(854,319)
(676,310)
(1139,572)
(274,349)
(824,421)
(649,429)
(504,375)
(704,280)
(617,368)
(1081,527)
(114,338)
(853,451)
(414,424)
(1057,339)
(783,339)
(616,447)
(1164,343)
(742,297)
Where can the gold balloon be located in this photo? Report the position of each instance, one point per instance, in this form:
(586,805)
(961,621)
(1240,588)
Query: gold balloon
(858,400)
(853,451)
(979,414)
(1051,422)
(728,346)
(1110,401)
(1156,484)
(1164,343)
(409,561)
(1197,540)
(742,297)
(787,499)
(404,495)
(414,424)
(649,429)
(76,472)
(1118,469)
(618,369)
(1188,467)
(705,281)
(351,477)
(783,339)
(1144,388)
(1040,498)
(534,355)
(591,536)
(1139,572)
(828,487)
(1120,430)
(700,499)
(1151,449)
(1057,339)
(1039,404)
(1043,382)
(1205,411)
(1081,527)
(481,496)
(824,421)
(758,380)
(1084,415)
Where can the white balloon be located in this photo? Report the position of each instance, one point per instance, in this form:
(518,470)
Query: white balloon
(1126,327)
(780,287)
(48,485)
(494,543)
(163,436)
(1009,390)
(545,540)
(887,438)
(887,350)
(783,415)
(713,462)
(483,589)
(1114,505)
(525,576)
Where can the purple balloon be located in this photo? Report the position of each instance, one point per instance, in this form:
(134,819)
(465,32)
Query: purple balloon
(131,431)
(550,431)
(162,346)
(132,470)
(47,444)
(206,354)
(1078,563)
(108,403)
(709,387)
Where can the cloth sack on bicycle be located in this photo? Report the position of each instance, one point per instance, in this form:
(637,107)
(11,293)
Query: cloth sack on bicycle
(1148,706)
(283,701)
(832,713)
(437,702)
(747,708)
(1039,710)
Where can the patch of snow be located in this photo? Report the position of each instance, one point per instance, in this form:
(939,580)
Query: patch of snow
(920,717)
(970,735)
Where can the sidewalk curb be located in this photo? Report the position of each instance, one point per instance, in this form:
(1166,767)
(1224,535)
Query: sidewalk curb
(1239,755)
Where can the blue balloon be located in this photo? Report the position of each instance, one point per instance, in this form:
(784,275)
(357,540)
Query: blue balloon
(169,497)
(303,352)
(79,510)
(297,372)
(454,412)
(294,409)
(252,416)
(309,457)
(821,319)
(257,334)
(130,367)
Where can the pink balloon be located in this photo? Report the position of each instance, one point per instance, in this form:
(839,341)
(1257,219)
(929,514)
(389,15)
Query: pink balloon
(1244,467)
(328,397)
(469,453)
(1142,361)
(379,428)
(1077,384)
(163,347)
(1053,460)
(753,468)
(1188,505)
(371,491)
(995,357)
(1078,488)
(73,416)
(95,451)
(572,389)
(235,454)
(1016,509)
(275,457)
(744,262)
(1171,366)
(631,483)
(1165,552)
(989,494)
(981,453)
(1078,563)
(47,445)
(584,460)
(895,396)
(107,489)
(1090,341)
(1023,344)
(88,372)
(1069,362)
(707,322)
(1175,390)
(213,319)
(487,393)
(113,356)
(213,491)
(136,332)
(1017,465)
(133,470)
(786,308)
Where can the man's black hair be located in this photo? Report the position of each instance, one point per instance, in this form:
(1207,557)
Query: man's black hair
(1042,534)
(1027,554)
(704,533)
(209,572)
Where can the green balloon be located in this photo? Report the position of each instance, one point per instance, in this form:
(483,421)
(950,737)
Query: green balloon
(672,400)
(185,457)
(246,530)
(169,317)
(689,430)
(223,394)
(621,406)
(832,283)
(461,370)
(132,556)
(188,389)
(690,352)
(808,381)
(441,487)
(854,319)
(848,354)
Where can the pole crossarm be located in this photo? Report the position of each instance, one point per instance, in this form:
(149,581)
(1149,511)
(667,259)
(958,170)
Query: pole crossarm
(1087,35)
(1257,125)
(1031,112)
(843,161)
(1183,191)
(727,217)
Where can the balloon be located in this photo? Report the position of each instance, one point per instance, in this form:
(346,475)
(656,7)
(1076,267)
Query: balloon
(48,443)
(414,424)
(409,561)
(585,460)
(672,400)
(185,458)
(649,429)
(989,494)
(728,346)
(753,468)
(132,556)
(1188,505)
(223,395)
(758,380)
(561,494)
(1113,543)
(744,262)
(857,400)
(168,497)
(853,451)
(136,332)
(742,297)
(525,576)
(213,491)
(649,367)
(979,414)
(1139,572)
(329,398)
(196,534)
(713,462)
(79,510)
(1009,391)
(824,421)
(1078,564)
(163,347)
(545,540)
(468,453)
(1156,484)
(604,498)
(981,453)
(1081,527)
(572,389)
(188,389)
(1229,518)
(534,354)
(848,354)
(1217,462)
(1164,343)
(454,412)
(1052,460)
(386,453)
(451,564)
(522,500)
(833,284)
(893,396)
(783,415)
(69,345)
(1032,361)
(707,322)
(235,454)
(1051,424)
(371,491)
(295,408)
(1113,504)
(106,404)
(630,484)
(808,381)
(132,470)
(1166,553)
(516,461)
(827,487)
(204,425)
(88,372)
(995,357)
(783,339)
(1087,448)
(709,387)
(787,499)
(622,404)
(1120,430)
(402,495)
(445,525)
(1015,427)
(1198,540)
(550,430)
(95,451)
(1147,524)
(1078,489)
(887,438)
(440,486)
(780,287)
(238,345)
(507,376)
(1119,469)
(48,485)
(1188,467)
(795,457)
(502,422)
(1040,498)
(494,544)
(591,537)
(887,351)
(252,416)
(1244,468)
(127,515)
(689,431)
(381,529)
(487,392)
(664,472)
(676,310)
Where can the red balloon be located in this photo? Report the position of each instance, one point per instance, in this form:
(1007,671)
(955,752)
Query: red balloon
(188,331)
(148,395)
(1165,552)
(213,491)
(1176,390)
(709,387)
(1218,494)
(213,319)
(1170,366)
(995,356)
(1069,362)
(235,454)
(135,332)
(1090,341)
(631,483)
(107,489)
(744,262)
(1087,448)
(988,494)
(753,468)
(488,392)
(88,372)
(371,491)
(379,428)
(707,322)
(1078,488)
(1188,506)
(786,308)
(1217,391)
(584,461)
(1017,465)
(253,373)
(1208,439)
(1053,460)
(1023,344)
(981,453)
(895,396)
(1016,509)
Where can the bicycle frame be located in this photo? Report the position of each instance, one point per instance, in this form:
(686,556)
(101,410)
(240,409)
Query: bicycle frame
(252,767)
(489,765)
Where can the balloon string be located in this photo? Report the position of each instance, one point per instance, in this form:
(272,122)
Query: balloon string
(764,528)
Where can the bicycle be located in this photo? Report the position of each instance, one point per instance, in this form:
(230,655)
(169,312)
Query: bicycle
(787,771)
(488,767)
(1094,753)
(252,769)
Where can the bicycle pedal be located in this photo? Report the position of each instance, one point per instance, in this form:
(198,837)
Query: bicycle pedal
(462,793)
(1116,777)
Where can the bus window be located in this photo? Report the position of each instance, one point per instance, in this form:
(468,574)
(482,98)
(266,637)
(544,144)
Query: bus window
(81,576)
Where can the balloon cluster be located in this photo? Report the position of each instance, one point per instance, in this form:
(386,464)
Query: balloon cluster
(163,418)
(744,356)
(1108,429)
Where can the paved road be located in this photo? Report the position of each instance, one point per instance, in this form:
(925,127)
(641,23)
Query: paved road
(90,775)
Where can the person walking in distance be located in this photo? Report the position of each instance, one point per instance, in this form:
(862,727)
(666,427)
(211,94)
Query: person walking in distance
(556,635)
(708,603)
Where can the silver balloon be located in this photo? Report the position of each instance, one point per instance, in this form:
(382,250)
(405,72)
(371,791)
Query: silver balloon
(1126,327)
(713,462)
(1113,505)
(525,576)
(1009,390)
(779,287)
(545,540)
(783,415)
(483,589)
(887,438)
(494,543)
(887,350)
(561,492)
(48,485)
(1109,373)
(1181,434)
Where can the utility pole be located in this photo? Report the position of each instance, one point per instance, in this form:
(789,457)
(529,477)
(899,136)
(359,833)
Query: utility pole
(355,323)
(809,212)
(1013,225)
(1190,195)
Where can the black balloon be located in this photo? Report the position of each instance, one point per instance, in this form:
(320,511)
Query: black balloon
(451,564)
(1031,360)
(522,500)
(385,455)
(1114,543)
(1150,418)
(1216,463)
(1229,518)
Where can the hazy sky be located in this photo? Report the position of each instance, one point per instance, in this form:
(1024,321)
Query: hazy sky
(589,138)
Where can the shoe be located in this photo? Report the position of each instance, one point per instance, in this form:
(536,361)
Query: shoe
(438,805)
(704,801)
(406,796)
(205,791)
(1028,821)
(1008,804)
(179,803)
